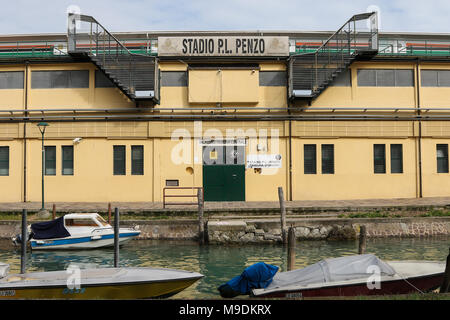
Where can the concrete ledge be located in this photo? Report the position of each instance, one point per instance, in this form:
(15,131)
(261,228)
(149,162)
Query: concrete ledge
(268,230)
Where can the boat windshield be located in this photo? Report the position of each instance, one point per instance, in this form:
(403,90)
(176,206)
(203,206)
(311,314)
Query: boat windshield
(81,222)
(102,221)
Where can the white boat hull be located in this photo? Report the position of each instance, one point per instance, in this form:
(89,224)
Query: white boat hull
(83,242)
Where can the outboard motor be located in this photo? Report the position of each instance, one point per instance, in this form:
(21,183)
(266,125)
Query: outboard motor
(17,239)
(4,269)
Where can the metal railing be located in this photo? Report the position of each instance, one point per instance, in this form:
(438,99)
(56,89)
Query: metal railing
(311,72)
(165,195)
(134,73)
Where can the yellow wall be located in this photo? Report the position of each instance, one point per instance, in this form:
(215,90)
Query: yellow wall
(62,98)
(93,178)
(354,176)
(11,186)
(370,97)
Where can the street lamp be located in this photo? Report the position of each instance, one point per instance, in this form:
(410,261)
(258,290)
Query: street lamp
(42,126)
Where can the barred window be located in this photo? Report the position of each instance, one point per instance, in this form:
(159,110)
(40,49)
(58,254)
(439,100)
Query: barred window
(4,161)
(435,78)
(137,160)
(396,158)
(50,160)
(60,79)
(328,158)
(385,77)
(379,158)
(119,160)
(11,80)
(442,158)
(310,158)
(67,160)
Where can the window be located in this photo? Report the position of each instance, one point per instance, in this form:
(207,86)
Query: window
(172,183)
(119,160)
(102,81)
(379,158)
(4,161)
(442,158)
(343,80)
(174,79)
(137,160)
(328,158)
(222,152)
(80,223)
(385,78)
(11,80)
(435,78)
(396,158)
(60,79)
(310,158)
(67,160)
(272,78)
(50,160)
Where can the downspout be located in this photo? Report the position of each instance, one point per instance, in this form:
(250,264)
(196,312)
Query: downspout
(420,129)
(290,133)
(25,133)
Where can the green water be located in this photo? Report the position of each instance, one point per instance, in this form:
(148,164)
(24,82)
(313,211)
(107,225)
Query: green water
(219,263)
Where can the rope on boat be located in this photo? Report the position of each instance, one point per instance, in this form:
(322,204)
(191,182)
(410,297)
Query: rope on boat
(403,278)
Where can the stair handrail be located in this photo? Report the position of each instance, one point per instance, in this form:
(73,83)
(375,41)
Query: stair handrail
(73,17)
(338,58)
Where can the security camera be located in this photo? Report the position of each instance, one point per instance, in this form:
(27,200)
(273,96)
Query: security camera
(77,140)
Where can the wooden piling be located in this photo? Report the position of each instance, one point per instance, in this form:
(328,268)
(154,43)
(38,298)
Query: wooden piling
(446,282)
(54,212)
(283,215)
(201,223)
(116,237)
(23,245)
(291,249)
(109,213)
(362,240)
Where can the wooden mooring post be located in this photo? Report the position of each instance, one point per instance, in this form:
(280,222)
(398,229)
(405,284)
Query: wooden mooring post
(291,249)
(23,244)
(109,213)
(116,237)
(446,282)
(201,223)
(283,215)
(54,212)
(362,240)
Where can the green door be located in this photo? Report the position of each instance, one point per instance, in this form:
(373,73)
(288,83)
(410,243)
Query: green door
(224,182)
(224,172)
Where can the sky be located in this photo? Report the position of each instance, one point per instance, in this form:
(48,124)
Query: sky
(45,16)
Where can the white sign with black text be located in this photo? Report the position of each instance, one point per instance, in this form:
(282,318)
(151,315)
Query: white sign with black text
(263,161)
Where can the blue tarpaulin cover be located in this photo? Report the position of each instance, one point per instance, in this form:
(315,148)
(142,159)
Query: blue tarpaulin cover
(258,275)
(50,229)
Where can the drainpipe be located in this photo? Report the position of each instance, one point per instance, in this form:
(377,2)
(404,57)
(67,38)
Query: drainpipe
(25,133)
(290,151)
(420,128)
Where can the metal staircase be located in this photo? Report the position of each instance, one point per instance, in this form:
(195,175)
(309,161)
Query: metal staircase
(311,73)
(136,75)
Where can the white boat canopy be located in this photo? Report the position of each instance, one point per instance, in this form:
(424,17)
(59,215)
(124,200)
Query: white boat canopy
(332,270)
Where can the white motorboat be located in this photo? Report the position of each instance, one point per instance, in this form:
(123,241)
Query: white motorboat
(95,283)
(77,231)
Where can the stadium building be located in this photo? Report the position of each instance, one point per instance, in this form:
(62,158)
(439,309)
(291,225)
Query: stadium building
(351,114)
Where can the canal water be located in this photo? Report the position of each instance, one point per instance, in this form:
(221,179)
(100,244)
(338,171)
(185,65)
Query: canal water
(220,263)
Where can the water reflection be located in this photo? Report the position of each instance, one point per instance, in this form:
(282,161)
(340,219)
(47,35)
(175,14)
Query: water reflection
(220,263)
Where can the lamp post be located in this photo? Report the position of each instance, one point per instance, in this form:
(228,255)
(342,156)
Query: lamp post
(43,213)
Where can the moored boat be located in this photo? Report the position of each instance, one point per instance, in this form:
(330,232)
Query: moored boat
(96,283)
(344,276)
(355,276)
(76,231)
